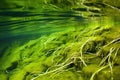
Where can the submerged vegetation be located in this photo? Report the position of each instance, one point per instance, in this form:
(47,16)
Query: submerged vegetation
(90,53)
(87,47)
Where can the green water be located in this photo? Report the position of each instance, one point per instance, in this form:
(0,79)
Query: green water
(59,40)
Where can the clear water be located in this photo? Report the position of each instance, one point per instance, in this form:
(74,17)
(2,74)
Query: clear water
(23,24)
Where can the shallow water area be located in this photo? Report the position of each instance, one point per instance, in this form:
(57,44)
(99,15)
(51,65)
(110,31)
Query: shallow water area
(59,39)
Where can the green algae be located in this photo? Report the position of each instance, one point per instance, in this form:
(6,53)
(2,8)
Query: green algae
(88,52)
(73,55)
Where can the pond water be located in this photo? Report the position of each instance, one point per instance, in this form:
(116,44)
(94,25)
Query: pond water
(46,40)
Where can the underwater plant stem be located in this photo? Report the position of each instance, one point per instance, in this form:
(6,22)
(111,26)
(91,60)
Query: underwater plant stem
(81,51)
(83,61)
(58,72)
(113,41)
(110,63)
(116,53)
(113,7)
(51,71)
(105,58)
(92,77)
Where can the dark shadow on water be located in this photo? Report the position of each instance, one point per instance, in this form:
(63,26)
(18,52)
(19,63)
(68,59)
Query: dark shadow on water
(26,21)
(6,21)
(28,14)
(20,39)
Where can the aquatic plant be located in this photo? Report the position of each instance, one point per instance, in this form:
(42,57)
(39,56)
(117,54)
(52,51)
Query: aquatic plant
(88,51)
(75,55)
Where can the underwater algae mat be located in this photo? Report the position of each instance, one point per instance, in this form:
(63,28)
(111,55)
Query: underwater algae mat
(90,53)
